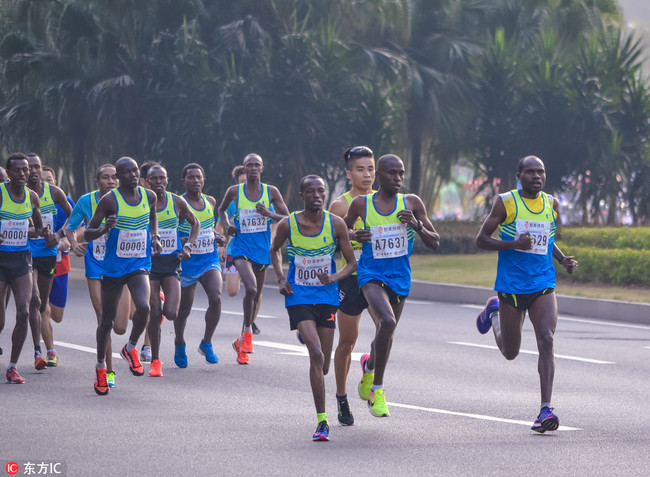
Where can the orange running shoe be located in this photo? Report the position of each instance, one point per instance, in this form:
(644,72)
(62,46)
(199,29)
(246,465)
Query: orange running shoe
(247,343)
(101,382)
(156,369)
(39,361)
(242,357)
(133,359)
(13,377)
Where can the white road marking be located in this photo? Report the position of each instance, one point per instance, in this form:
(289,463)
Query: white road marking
(523,351)
(240,313)
(474,416)
(581,320)
(82,348)
(299,350)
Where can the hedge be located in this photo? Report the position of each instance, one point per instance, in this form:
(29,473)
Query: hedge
(613,266)
(637,238)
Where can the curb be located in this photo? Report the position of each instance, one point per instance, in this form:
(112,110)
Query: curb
(567,305)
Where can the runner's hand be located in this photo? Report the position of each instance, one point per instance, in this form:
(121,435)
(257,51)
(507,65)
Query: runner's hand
(285,287)
(570,264)
(526,241)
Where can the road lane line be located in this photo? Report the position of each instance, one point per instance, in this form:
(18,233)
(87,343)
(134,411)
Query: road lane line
(299,350)
(473,416)
(82,348)
(239,313)
(581,320)
(523,351)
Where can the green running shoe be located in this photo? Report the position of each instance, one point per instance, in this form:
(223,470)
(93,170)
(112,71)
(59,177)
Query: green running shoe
(110,377)
(366,380)
(377,403)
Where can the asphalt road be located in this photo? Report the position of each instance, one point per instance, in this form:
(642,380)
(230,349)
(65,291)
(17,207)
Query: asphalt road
(457,407)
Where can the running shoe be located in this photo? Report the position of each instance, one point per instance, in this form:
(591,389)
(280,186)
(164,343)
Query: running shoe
(206,350)
(110,377)
(299,336)
(39,361)
(484,319)
(242,358)
(366,380)
(132,358)
(322,432)
(13,377)
(180,356)
(145,353)
(52,358)
(256,330)
(377,403)
(101,382)
(247,343)
(155,370)
(345,415)
(546,421)
(1,348)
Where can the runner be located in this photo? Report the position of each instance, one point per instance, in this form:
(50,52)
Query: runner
(93,253)
(129,212)
(165,268)
(311,292)
(231,275)
(360,170)
(145,351)
(251,241)
(526,219)
(44,253)
(18,205)
(384,271)
(56,302)
(202,266)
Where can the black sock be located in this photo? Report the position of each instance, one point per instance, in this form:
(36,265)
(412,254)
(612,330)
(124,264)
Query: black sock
(342,398)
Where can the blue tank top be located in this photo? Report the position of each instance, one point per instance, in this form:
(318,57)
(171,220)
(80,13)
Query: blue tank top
(531,271)
(309,255)
(128,246)
(253,239)
(386,256)
(205,255)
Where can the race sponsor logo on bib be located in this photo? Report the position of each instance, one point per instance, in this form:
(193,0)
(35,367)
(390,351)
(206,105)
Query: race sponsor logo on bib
(168,240)
(389,241)
(539,230)
(204,242)
(14,232)
(132,244)
(250,221)
(308,268)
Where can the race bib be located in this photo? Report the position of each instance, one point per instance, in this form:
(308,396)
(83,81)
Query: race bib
(539,230)
(14,232)
(48,221)
(308,268)
(99,248)
(389,241)
(132,244)
(250,221)
(205,242)
(168,240)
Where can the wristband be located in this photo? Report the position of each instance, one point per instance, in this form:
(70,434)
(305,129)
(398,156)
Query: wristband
(419,226)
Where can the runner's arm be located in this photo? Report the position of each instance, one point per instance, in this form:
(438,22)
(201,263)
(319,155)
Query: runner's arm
(497,216)
(281,236)
(341,235)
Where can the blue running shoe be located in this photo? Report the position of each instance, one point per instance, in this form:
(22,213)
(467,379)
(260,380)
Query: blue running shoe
(322,432)
(180,356)
(546,421)
(484,320)
(206,350)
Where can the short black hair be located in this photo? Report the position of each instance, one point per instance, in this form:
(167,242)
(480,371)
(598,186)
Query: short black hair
(144,168)
(16,156)
(356,152)
(308,178)
(192,165)
(99,169)
(238,171)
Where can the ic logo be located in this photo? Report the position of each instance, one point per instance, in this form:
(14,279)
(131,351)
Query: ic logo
(12,468)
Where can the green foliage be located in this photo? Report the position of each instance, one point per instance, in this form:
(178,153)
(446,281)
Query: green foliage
(607,265)
(456,238)
(636,238)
